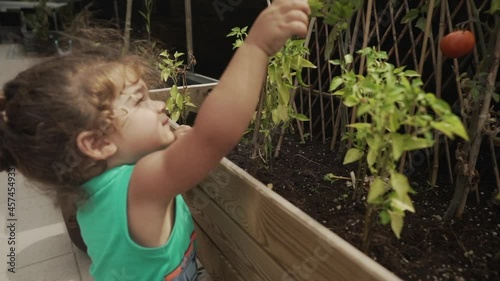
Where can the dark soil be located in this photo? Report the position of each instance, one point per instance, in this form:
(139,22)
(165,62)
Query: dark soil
(465,249)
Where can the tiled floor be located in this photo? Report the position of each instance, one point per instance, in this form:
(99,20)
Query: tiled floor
(42,246)
(43,249)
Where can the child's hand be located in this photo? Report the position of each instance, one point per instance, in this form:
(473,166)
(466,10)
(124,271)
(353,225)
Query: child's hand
(277,23)
(181,130)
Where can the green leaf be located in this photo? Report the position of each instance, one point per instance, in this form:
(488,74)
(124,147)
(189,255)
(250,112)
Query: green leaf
(399,183)
(399,69)
(353,155)
(413,143)
(170,105)
(363,108)
(403,205)
(299,79)
(411,73)
(330,43)
(394,123)
(371,158)
(457,127)
(165,74)
(443,127)
(366,51)
(377,189)
(315,5)
(396,223)
(495,96)
(271,73)
(339,93)
(351,101)
(179,101)
(451,125)
(438,105)
(237,44)
(335,62)
(384,217)
(283,113)
(175,116)
(284,93)
(410,16)
(329,178)
(174,92)
(348,59)
(275,116)
(398,141)
(421,22)
(495,7)
(368,86)
(301,117)
(336,82)
(306,63)
(375,142)
(407,201)
(361,126)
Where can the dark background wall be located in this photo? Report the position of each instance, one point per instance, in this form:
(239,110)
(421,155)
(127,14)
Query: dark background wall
(212,20)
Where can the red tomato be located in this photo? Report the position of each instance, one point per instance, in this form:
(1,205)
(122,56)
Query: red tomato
(457,43)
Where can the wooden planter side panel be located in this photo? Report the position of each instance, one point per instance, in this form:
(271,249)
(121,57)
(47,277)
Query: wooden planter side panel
(245,255)
(265,237)
(215,263)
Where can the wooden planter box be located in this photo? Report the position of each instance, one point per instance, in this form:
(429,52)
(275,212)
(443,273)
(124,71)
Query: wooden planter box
(246,231)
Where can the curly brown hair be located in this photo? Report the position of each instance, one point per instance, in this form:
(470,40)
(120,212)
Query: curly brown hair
(45,108)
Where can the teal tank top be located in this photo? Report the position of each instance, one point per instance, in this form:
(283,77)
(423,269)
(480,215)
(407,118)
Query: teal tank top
(115,256)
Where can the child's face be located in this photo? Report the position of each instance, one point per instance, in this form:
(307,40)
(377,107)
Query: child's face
(141,124)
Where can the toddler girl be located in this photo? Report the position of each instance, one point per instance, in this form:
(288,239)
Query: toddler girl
(85,126)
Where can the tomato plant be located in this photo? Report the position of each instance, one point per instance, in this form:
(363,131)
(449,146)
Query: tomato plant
(457,43)
(276,111)
(385,99)
(178,102)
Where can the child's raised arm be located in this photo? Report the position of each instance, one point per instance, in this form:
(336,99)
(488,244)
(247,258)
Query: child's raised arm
(227,111)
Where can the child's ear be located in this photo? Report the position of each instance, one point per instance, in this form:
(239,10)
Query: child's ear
(95,146)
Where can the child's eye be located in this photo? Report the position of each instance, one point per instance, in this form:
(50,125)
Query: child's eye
(140,99)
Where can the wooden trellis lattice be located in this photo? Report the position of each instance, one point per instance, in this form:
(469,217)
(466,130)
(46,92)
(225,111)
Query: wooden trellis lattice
(379,24)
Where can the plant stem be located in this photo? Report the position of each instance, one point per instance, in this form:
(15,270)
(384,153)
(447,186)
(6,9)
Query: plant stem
(428,25)
(256,128)
(367,229)
(439,80)
(495,162)
(362,63)
(471,149)
(128,19)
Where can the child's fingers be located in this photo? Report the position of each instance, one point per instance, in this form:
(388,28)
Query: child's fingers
(183,128)
(297,28)
(298,16)
(299,5)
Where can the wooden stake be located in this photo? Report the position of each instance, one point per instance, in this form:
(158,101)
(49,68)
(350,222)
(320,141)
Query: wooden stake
(128,18)
(439,80)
